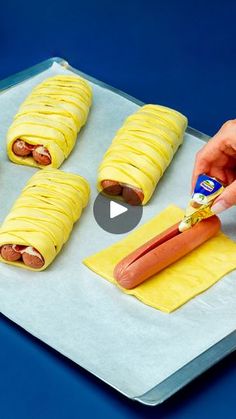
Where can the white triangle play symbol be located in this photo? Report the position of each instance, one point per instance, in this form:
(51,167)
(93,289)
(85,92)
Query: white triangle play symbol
(116,209)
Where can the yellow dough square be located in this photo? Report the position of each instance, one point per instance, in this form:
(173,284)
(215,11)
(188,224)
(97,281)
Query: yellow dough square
(181,281)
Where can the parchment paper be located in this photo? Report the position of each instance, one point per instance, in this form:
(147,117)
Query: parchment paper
(127,344)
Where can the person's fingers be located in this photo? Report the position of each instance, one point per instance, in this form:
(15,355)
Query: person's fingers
(211,153)
(201,165)
(230,175)
(228,133)
(226,200)
(203,160)
(219,173)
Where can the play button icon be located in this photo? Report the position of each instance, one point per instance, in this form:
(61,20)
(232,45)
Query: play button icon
(116,209)
(116,216)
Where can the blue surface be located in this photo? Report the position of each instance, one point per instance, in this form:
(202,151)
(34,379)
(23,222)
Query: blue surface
(178,53)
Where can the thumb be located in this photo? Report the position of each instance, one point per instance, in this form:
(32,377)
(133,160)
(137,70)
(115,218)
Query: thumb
(226,200)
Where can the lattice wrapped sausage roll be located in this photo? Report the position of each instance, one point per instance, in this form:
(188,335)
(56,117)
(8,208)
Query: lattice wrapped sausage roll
(140,152)
(45,129)
(42,218)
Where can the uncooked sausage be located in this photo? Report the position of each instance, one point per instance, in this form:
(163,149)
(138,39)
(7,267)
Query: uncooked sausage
(162,251)
(131,195)
(30,256)
(111,187)
(39,153)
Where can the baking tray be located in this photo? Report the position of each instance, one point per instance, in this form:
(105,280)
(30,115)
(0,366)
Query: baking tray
(215,302)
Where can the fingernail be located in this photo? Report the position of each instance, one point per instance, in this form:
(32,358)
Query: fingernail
(219,206)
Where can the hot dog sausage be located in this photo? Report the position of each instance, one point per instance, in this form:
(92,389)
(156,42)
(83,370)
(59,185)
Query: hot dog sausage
(162,251)
(21,148)
(111,187)
(132,196)
(148,246)
(30,256)
(41,155)
(9,253)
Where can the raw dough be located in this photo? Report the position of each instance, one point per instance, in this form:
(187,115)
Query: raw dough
(178,283)
(45,212)
(143,148)
(52,115)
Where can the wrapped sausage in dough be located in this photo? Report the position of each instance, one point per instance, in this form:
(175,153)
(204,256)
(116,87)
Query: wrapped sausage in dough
(140,152)
(42,218)
(45,129)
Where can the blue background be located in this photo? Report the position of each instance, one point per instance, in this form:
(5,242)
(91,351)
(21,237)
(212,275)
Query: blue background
(178,53)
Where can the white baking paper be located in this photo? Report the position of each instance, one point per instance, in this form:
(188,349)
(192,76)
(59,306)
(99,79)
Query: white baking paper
(131,346)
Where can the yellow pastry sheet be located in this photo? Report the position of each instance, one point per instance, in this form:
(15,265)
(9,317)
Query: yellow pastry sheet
(178,283)
(52,115)
(143,148)
(44,214)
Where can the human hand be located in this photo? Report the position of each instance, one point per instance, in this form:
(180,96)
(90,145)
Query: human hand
(218,159)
